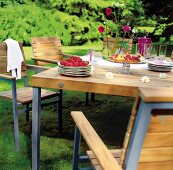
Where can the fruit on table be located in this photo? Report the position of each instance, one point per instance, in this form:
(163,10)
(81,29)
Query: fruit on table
(74,62)
(129,58)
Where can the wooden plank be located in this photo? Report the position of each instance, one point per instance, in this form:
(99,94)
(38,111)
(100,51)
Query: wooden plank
(6,76)
(156,95)
(47,49)
(153,140)
(3,53)
(44,39)
(3,67)
(121,84)
(166,165)
(103,155)
(116,154)
(161,124)
(48,54)
(46,45)
(3,46)
(158,140)
(3,59)
(45,60)
(24,95)
(156,154)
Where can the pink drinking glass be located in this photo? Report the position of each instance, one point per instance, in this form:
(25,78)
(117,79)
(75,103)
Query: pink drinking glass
(142,44)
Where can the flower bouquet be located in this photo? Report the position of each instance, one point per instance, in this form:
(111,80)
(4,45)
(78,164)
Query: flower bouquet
(123,34)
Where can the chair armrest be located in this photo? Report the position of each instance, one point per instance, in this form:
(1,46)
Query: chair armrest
(8,77)
(35,67)
(103,155)
(44,60)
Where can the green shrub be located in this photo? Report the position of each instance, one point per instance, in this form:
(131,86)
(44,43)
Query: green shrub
(21,22)
(82,17)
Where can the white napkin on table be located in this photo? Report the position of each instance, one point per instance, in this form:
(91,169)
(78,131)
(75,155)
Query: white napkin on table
(101,62)
(14,58)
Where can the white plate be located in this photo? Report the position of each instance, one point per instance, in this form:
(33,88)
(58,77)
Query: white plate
(74,71)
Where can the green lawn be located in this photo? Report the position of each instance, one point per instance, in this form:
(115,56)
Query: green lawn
(108,114)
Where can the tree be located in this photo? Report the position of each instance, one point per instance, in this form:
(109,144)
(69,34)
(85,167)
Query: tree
(162,11)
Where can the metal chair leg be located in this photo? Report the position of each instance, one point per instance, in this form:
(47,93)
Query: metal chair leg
(92,97)
(27,112)
(15,115)
(77,137)
(87,97)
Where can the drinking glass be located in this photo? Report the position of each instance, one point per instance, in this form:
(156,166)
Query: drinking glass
(91,55)
(147,50)
(162,51)
(142,41)
(153,51)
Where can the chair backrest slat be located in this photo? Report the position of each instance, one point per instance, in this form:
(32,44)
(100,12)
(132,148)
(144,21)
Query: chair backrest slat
(3,59)
(47,48)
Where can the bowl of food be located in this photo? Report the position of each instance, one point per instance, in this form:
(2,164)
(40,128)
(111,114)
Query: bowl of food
(128,58)
(74,66)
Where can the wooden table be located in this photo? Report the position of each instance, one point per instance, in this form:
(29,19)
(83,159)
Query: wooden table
(121,84)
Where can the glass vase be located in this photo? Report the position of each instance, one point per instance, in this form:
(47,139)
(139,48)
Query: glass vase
(125,68)
(106,53)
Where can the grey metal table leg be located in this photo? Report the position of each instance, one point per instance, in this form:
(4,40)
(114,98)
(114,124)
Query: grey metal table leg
(60,111)
(36,107)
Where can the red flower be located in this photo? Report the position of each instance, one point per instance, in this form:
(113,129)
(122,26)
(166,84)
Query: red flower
(108,11)
(126,28)
(101,29)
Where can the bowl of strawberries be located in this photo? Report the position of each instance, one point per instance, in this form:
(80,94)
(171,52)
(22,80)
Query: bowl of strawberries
(74,66)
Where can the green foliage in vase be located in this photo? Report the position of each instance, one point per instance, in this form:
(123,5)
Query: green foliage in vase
(21,22)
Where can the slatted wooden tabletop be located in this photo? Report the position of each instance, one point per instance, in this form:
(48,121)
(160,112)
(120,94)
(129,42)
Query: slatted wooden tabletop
(121,84)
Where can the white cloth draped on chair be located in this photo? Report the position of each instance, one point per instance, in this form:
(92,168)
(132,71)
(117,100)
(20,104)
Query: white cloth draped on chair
(14,58)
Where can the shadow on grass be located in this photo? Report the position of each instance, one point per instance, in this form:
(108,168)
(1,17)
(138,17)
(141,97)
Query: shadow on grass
(108,114)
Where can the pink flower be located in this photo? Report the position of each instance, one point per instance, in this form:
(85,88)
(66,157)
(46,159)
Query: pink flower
(101,29)
(108,11)
(126,28)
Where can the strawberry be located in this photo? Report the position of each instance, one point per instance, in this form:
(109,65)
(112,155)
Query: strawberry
(69,64)
(62,62)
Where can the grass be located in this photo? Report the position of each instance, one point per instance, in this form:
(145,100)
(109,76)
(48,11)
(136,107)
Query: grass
(108,114)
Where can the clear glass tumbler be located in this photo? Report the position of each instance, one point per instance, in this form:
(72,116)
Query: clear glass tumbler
(162,52)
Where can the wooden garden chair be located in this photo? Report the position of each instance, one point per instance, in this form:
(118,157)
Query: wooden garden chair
(21,96)
(148,143)
(47,50)
(113,44)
